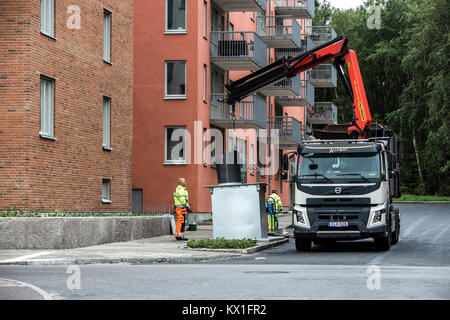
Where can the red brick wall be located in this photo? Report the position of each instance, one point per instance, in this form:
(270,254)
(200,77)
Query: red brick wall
(65,174)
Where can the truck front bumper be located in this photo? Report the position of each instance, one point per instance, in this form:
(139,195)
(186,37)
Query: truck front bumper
(355,231)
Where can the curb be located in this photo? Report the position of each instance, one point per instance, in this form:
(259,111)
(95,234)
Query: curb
(248,250)
(424,202)
(222,254)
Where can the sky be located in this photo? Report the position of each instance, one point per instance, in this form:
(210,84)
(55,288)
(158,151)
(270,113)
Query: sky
(345,4)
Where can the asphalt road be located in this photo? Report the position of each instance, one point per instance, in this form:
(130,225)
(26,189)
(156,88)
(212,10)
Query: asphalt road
(417,268)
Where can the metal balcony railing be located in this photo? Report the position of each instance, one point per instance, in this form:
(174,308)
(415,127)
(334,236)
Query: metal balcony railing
(323,113)
(238,50)
(306,45)
(289,130)
(241,5)
(285,87)
(304,99)
(251,112)
(279,31)
(323,76)
(322,34)
(298,8)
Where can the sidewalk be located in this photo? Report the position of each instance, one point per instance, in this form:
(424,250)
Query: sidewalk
(144,251)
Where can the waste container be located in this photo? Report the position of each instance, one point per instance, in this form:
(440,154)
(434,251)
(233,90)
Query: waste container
(228,168)
(238,211)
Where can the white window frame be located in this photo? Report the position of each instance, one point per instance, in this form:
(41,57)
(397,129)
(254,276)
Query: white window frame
(166,20)
(175,96)
(205,82)
(170,161)
(205,19)
(106,192)
(47,107)
(48,18)
(107,27)
(106,123)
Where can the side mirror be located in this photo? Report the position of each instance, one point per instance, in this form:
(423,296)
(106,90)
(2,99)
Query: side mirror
(284,175)
(285,162)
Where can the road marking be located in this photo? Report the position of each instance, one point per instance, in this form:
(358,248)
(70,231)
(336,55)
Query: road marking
(440,234)
(44,294)
(29,256)
(413,226)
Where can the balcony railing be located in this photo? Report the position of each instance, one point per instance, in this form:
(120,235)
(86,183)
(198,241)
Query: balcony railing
(323,76)
(251,112)
(289,130)
(304,99)
(323,113)
(242,5)
(238,50)
(279,31)
(285,87)
(307,44)
(298,8)
(322,34)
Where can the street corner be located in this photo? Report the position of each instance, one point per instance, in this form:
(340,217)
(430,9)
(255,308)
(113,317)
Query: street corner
(16,290)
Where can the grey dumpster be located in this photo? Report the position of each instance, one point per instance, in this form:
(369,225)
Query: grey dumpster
(238,211)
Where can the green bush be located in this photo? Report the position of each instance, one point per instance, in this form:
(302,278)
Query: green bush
(221,243)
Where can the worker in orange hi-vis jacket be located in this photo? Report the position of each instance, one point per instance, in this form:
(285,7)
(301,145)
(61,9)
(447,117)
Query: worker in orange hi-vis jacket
(181,201)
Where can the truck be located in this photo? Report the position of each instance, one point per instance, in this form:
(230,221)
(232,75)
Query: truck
(346,176)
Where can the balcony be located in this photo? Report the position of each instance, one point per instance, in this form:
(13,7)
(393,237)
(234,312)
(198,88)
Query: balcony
(304,99)
(289,129)
(323,113)
(251,112)
(306,45)
(279,31)
(322,34)
(285,87)
(303,9)
(323,76)
(242,5)
(238,50)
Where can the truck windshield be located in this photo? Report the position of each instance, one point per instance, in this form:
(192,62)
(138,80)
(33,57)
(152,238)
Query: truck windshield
(326,167)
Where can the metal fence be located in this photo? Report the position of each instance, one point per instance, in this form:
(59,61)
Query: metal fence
(308,5)
(323,73)
(289,128)
(153,209)
(324,112)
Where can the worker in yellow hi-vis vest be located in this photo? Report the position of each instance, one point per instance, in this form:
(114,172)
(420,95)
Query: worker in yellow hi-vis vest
(273,208)
(181,201)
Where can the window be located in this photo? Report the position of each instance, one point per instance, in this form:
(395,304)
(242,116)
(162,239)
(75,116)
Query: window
(48,17)
(205,19)
(107,36)
(252,159)
(205,72)
(175,145)
(47,107)
(176,16)
(106,123)
(175,87)
(106,191)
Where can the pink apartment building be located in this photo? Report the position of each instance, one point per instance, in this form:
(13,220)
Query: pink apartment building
(185,51)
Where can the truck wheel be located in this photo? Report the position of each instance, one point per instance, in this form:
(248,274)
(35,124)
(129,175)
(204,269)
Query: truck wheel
(302,244)
(396,233)
(384,243)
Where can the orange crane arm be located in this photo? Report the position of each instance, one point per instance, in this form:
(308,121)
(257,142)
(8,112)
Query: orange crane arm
(290,67)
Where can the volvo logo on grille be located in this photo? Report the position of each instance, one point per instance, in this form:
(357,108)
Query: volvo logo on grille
(338,190)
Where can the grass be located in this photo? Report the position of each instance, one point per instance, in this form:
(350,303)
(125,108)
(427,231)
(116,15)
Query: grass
(412,197)
(17,213)
(222,243)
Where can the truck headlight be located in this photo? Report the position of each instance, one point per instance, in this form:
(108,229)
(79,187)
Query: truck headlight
(377,218)
(301,218)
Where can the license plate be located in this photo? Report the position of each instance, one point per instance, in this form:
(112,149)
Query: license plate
(338,224)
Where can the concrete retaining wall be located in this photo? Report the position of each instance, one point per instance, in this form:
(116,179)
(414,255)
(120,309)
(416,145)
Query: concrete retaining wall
(68,233)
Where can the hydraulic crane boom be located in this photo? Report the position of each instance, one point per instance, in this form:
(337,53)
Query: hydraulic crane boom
(290,67)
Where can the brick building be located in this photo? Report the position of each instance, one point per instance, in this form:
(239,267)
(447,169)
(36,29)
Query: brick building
(66,94)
